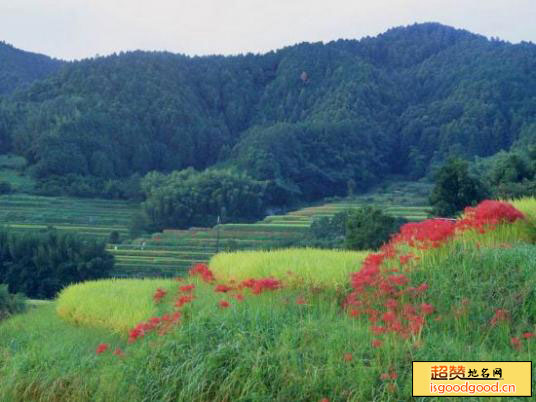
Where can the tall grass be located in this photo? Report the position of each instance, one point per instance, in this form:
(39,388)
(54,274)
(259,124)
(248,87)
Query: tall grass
(299,267)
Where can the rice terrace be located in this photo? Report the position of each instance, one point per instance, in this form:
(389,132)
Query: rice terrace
(346,217)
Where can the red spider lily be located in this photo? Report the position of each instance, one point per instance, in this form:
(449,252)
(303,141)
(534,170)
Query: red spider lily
(203,271)
(260,285)
(391,304)
(103,347)
(389,317)
(501,315)
(223,304)
(118,352)
(393,375)
(239,297)
(528,335)
(158,295)
(384,376)
(187,288)
(222,288)
(404,259)
(378,330)
(347,357)
(377,343)
(427,308)
(399,280)
(354,313)
(181,301)
(515,342)
(300,300)
(487,215)
(408,310)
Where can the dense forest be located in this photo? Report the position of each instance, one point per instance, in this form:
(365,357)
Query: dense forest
(19,68)
(307,121)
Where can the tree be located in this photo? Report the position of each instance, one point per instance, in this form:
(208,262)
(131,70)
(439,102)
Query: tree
(369,228)
(455,189)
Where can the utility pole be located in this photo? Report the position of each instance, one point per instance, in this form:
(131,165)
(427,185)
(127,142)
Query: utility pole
(218,234)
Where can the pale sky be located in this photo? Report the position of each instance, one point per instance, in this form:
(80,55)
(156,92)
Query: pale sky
(74,29)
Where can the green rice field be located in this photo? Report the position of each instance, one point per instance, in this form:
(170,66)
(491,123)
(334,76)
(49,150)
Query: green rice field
(173,251)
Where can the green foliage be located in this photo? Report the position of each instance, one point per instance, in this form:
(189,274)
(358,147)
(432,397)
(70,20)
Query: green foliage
(455,189)
(41,265)
(5,187)
(18,68)
(351,120)
(329,231)
(189,198)
(369,228)
(9,303)
(114,238)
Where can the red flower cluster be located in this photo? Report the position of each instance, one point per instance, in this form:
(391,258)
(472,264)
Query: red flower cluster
(103,347)
(155,323)
(222,288)
(185,299)
(224,304)
(430,233)
(501,315)
(187,288)
(159,295)
(487,215)
(376,287)
(258,286)
(203,271)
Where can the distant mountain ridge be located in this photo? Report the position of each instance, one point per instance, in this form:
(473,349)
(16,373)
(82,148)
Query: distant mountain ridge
(18,67)
(308,118)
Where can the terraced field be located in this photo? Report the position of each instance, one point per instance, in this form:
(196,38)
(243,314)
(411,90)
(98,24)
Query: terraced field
(86,217)
(173,251)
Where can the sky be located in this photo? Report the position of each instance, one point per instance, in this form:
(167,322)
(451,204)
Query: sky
(76,29)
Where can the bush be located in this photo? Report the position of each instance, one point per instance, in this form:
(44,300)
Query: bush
(39,265)
(5,187)
(369,227)
(10,304)
(455,189)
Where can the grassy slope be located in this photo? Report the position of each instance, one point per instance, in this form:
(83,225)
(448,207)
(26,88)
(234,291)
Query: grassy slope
(271,348)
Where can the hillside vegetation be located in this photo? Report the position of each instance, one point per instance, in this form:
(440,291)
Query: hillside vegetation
(439,290)
(309,119)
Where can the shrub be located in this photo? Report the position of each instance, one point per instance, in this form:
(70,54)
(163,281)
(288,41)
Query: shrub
(455,189)
(40,265)
(9,303)
(5,187)
(369,228)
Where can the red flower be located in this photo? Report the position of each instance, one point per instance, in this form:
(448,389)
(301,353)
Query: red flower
(203,271)
(222,288)
(158,295)
(500,316)
(393,375)
(376,343)
(384,376)
(187,288)
(427,308)
(528,335)
(224,304)
(239,297)
(515,342)
(347,357)
(103,347)
(391,304)
(181,301)
(353,313)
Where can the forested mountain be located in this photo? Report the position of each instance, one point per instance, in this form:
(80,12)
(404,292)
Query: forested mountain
(18,67)
(308,118)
